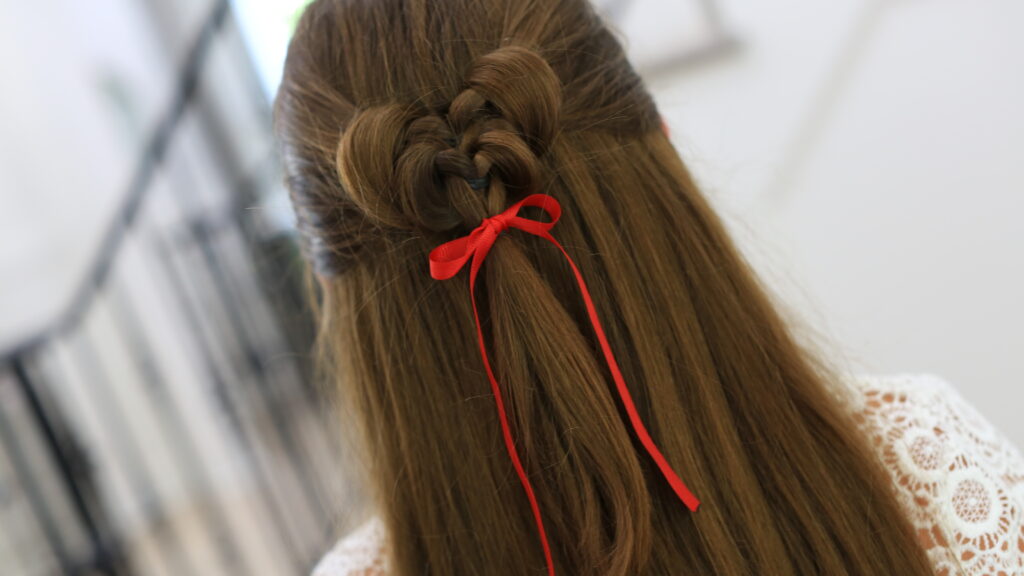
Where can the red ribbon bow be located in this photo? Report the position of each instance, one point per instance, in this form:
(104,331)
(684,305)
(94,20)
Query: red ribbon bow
(445,262)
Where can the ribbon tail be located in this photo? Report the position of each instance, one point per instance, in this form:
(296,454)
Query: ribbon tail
(643,435)
(506,430)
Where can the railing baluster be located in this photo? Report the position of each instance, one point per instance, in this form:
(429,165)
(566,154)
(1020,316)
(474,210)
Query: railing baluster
(139,471)
(172,425)
(255,365)
(27,483)
(106,556)
(221,392)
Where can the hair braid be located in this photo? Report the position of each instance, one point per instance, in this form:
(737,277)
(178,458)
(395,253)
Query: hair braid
(408,167)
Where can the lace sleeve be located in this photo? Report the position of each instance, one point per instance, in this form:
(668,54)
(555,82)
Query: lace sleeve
(361,553)
(960,481)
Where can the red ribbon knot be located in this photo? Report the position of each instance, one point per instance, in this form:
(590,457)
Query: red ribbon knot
(445,262)
(496,223)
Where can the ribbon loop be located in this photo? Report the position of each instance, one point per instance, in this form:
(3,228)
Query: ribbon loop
(445,262)
(447,259)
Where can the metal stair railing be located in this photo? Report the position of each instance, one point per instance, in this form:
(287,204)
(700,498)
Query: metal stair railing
(109,416)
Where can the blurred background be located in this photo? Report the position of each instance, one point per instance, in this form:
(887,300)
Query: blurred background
(158,413)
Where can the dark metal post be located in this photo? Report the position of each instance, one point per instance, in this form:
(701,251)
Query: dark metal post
(107,555)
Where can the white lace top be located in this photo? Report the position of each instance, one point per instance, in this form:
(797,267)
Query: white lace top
(960,481)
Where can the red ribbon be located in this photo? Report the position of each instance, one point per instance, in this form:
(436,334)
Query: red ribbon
(445,262)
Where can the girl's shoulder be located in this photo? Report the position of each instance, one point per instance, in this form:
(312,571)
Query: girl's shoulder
(361,553)
(959,479)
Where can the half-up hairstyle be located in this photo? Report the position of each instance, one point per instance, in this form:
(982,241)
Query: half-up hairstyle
(410,166)
(405,123)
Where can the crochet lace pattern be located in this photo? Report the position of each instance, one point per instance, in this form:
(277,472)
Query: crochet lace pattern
(959,480)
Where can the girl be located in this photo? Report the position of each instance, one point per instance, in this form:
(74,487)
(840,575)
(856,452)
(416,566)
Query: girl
(634,404)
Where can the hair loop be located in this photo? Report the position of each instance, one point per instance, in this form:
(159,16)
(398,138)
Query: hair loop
(410,167)
(524,90)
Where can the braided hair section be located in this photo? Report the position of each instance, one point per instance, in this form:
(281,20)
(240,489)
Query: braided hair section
(407,167)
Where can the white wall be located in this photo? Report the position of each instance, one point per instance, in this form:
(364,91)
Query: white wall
(74,105)
(868,155)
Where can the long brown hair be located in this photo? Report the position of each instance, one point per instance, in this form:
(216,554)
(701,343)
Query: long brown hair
(389,109)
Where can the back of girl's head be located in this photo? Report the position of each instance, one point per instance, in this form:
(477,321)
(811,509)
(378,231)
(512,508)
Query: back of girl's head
(403,124)
(430,94)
